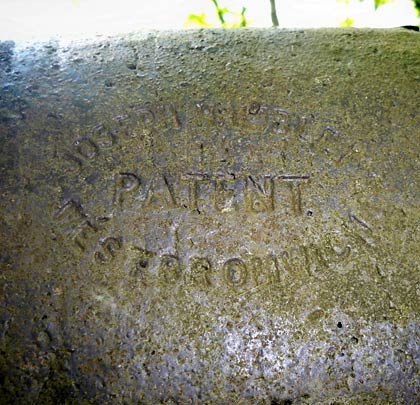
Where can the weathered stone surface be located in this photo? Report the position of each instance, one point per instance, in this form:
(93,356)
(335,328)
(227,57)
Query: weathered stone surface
(211,217)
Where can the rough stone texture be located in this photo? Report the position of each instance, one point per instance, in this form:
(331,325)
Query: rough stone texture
(211,217)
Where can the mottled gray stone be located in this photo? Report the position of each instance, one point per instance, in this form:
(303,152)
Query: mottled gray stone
(211,217)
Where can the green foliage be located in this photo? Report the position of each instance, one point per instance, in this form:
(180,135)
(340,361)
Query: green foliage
(231,19)
(348,22)
(243,22)
(198,19)
(379,3)
(417,6)
(239,19)
(220,12)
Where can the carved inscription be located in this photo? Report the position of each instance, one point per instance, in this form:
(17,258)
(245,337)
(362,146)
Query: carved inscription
(206,192)
(86,148)
(78,226)
(197,192)
(200,271)
(235,272)
(141,124)
(125,183)
(109,249)
(170,270)
(244,273)
(200,191)
(260,195)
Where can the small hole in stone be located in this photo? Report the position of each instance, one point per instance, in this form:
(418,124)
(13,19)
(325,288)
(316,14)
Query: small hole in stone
(309,213)
(339,325)
(354,340)
(143,263)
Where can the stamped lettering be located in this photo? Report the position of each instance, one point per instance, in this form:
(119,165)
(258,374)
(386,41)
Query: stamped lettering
(142,123)
(125,184)
(260,194)
(213,188)
(77,225)
(205,192)
(200,271)
(108,250)
(235,272)
(170,270)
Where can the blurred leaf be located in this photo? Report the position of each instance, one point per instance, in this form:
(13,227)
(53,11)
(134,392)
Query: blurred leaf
(227,18)
(243,22)
(220,12)
(379,3)
(417,6)
(348,22)
(198,19)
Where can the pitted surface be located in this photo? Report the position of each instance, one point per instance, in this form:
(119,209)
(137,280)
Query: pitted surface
(211,217)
